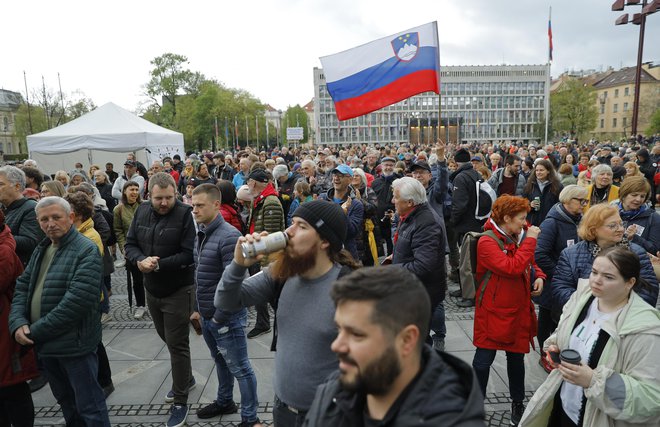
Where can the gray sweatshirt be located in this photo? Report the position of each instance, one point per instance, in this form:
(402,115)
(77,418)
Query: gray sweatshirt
(305,327)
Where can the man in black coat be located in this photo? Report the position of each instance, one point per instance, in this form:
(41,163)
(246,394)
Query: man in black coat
(387,375)
(382,186)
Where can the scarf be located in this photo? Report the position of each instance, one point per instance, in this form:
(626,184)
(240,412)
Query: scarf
(629,215)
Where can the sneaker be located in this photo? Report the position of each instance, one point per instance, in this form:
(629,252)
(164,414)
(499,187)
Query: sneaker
(178,415)
(517,410)
(105,318)
(456,294)
(439,344)
(249,423)
(213,410)
(120,263)
(257,332)
(466,302)
(169,398)
(38,383)
(107,390)
(139,313)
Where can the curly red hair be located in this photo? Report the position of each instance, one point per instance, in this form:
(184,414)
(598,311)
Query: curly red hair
(508,205)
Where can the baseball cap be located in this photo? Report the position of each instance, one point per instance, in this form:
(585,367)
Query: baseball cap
(343,169)
(130,163)
(420,165)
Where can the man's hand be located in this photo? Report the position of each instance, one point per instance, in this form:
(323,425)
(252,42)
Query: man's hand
(440,147)
(148,264)
(21,335)
(238,250)
(195,315)
(538,287)
(347,205)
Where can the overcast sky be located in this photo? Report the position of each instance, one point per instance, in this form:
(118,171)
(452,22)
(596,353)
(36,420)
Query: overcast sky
(269,48)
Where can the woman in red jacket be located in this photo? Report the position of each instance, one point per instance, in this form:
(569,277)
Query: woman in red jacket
(508,277)
(17,363)
(228,205)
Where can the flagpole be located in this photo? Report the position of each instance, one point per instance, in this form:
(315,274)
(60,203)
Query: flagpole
(547,83)
(435,25)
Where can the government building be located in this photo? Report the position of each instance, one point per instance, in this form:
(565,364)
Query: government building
(477,103)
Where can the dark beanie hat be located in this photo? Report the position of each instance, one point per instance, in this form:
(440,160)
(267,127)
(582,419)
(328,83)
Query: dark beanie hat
(618,172)
(327,218)
(259,175)
(462,156)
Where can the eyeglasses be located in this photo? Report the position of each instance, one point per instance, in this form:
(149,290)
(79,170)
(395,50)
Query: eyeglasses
(583,202)
(614,226)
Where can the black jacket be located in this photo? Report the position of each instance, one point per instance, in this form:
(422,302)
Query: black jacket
(464,200)
(446,393)
(420,249)
(547,198)
(170,237)
(382,186)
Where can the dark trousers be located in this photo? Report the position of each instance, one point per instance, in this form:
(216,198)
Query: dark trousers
(263,317)
(138,284)
(515,369)
(74,385)
(558,416)
(283,416)
(16,407)
(171,316)
(386,232)
(453,242)
(546,326)
(105,374)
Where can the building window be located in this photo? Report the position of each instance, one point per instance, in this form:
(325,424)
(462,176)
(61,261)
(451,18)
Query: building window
(602,108)
(605,94)
(614,122)
(625,122)
(625,106)
(602,123)
(626,91)
(5,124)
(616,93)
(615,108)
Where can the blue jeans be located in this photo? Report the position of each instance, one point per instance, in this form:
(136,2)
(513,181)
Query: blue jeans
(228,346)
(438,325)
(74,385)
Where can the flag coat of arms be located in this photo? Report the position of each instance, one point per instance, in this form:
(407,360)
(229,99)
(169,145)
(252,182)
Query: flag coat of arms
(385,71)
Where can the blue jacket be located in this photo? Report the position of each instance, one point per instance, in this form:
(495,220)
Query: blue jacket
(213,252)
(650,236)
(355,217)
(557,230)
(70,319)
(575,263)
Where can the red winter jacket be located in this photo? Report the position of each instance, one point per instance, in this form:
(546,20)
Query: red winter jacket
(231,216)
(505,319)
(14,367)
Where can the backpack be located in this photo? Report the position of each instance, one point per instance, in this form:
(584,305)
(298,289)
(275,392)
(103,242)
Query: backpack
(468,261)
(486,196)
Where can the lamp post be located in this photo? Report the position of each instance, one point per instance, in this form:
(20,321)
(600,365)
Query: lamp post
(648,8)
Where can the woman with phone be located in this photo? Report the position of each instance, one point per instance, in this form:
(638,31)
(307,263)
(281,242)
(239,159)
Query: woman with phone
(617,337)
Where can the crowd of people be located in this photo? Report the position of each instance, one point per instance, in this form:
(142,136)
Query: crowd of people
(567,230)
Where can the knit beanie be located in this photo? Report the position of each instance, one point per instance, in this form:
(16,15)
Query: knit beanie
(327,218)
(462,156)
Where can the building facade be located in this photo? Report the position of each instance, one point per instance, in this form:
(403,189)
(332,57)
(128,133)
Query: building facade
(477,103)
(9,104)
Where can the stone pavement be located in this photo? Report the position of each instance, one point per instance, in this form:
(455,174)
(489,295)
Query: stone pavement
(141,370)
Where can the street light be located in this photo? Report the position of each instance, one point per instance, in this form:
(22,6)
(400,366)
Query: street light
(648,8)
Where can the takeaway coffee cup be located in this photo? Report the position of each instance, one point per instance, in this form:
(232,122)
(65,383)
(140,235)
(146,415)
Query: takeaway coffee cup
(570,356)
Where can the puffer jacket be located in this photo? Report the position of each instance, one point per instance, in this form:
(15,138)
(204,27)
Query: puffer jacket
(213,251)
(547,198)
(170,237)
(625,388)
(22,221)
(70,322)
(446,393)
(648,222)
(558,230)
(504,317)
(355,217)
(418,249)
(498,177)
(267,213)
(575,263)
(231,216)
(16,366)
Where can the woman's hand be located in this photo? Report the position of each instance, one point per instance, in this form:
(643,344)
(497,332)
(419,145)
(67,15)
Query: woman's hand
(551,349)
(537,287)
(576,374)
(631,231)
(533,231)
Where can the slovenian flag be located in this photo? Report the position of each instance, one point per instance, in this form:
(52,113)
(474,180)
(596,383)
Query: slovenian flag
(383,72)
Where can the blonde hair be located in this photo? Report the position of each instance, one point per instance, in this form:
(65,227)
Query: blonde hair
(594,218)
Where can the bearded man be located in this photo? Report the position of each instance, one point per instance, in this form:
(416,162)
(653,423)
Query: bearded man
(297,282)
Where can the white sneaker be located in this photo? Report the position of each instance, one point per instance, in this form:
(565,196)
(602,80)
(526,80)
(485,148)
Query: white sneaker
(139,313)
(105,318)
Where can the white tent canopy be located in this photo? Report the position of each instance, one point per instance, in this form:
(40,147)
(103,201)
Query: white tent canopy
(104,135)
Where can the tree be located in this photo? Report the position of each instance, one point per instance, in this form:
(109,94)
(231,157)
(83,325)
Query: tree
(169,78)
(295,117)
(654,124)
(573,109)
